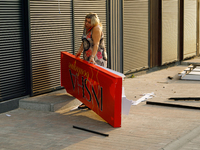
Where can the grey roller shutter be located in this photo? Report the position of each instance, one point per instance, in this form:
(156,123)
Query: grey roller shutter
(190,11)
(51,33)
(12,70)
(135,27)
(83,7)
(169,30)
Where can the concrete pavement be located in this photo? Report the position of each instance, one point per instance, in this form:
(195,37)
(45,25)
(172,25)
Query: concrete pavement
(147,127)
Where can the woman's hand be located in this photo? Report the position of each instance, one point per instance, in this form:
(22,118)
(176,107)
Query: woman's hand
(78,54)
(92,60)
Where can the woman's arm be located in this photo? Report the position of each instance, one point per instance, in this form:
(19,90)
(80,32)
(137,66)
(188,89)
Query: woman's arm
(78,54)
(96,36)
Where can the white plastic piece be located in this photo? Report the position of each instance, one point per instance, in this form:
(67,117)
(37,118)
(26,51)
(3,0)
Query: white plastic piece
(144,98)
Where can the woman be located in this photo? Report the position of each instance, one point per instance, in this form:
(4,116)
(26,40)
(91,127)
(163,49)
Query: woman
(92,46)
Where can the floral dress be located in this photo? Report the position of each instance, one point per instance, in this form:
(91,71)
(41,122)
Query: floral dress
(101,55)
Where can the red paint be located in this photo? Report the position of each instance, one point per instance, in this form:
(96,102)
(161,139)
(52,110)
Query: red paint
(99,89)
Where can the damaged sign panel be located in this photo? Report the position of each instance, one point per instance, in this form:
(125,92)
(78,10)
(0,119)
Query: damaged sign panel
(94,86)
(192,72)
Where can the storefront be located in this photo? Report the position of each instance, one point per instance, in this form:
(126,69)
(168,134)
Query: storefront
(170,20)
(12,51)
(135,35)
(138,34)
(190,28)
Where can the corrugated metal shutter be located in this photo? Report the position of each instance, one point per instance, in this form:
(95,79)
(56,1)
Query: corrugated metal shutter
(51,33)
(12,72)
(190,14)
(135,35)
(169,30)
(116,35)
(83,7)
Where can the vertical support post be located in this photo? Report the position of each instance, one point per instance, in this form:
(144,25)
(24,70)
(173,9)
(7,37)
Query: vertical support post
(27,46)
(181,29)
(155,33)
(108,48)
(73,32)
(197,28)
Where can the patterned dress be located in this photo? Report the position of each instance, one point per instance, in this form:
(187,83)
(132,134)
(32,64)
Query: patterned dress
(101,55)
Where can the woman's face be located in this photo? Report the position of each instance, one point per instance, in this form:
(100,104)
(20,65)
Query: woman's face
(88,23)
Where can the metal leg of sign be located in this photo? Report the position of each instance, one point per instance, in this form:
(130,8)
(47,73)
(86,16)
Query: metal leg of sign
(184,98)
(90,131)
(171,105)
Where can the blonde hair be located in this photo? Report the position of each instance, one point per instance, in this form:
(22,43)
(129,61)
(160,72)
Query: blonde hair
(94,19)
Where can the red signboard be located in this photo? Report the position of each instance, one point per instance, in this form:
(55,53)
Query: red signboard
(96,87)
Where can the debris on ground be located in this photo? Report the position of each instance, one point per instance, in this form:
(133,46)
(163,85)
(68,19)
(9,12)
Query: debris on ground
(169,77)
(132,76)
(144,98)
